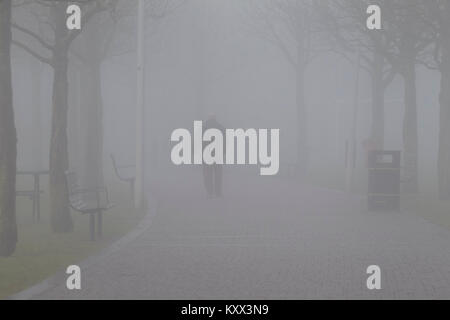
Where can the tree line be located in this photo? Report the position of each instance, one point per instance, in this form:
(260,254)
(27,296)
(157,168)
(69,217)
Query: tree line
(414,32)
(38,27)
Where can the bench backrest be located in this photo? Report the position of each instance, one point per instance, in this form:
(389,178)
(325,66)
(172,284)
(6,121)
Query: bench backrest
(116,170)
(75,197)
(122,170)
(72,182)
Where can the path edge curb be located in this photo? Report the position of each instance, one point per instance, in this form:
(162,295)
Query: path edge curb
(59,278)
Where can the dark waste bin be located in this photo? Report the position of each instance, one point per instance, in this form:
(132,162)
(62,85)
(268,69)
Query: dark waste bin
(384,180)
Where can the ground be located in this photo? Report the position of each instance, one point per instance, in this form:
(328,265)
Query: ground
(40,252)
(276,240)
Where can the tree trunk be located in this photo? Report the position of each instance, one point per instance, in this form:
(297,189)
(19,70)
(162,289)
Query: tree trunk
(377,126)
(410,143)
(302,120)
(8,139)
(61,220)
(92,105)
(444,128)
(75,130)
(36,78)
(199,46)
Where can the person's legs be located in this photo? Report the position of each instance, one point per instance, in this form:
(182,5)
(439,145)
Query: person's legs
(208,179)
(218,179)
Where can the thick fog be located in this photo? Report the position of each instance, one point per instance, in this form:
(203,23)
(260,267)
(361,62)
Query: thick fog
(205,58)
(307,68)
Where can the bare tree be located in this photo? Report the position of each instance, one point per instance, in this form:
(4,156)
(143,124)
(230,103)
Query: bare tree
(56,43)
(407,37)
(105,37)
(437,17)
(444,99)
(395,49)
(8,139)
(90,49)
(345,21)
(294,28)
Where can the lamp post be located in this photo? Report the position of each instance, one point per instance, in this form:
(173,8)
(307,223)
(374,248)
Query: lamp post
(139,179)
(351,164)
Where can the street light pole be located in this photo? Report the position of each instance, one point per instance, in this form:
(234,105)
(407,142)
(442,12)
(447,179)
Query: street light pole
(139,179)
(351,156)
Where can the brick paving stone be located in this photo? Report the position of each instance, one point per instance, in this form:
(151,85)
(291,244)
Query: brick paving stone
(277,240)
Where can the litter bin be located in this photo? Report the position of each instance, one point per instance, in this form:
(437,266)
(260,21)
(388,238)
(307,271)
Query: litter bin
(384,180)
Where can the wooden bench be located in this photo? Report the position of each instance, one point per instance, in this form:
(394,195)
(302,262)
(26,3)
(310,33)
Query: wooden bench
(121,173)
(88,201)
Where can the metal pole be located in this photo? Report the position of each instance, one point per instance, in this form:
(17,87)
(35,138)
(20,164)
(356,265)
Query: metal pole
(139,180)
(353,144)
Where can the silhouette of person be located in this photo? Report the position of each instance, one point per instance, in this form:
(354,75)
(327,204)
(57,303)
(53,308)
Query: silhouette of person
(212,173)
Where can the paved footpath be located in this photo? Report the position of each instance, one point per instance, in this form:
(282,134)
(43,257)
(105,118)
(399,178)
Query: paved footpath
(274,240)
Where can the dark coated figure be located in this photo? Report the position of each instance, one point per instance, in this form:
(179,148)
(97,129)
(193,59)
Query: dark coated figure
(212,173)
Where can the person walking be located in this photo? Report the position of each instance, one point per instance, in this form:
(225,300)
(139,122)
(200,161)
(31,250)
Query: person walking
(212,173)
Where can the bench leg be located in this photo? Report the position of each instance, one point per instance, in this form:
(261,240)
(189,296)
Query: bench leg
(99,223)
(92,226)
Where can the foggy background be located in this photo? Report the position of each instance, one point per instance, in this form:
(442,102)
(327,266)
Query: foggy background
(241,60)
(208,56)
